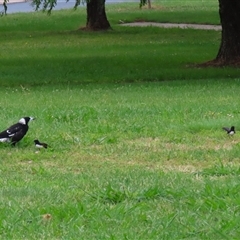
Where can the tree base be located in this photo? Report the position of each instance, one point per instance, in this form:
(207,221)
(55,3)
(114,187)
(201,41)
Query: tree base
(90,29)
(221,63)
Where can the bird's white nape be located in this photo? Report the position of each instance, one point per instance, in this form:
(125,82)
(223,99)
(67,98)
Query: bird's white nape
(22,121)
(25,120)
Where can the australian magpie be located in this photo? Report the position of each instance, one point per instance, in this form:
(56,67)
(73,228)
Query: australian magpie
(16,132)
(230,131)
(40,144)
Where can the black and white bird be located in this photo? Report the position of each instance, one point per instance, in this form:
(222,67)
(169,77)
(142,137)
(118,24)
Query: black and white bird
(230,131)
(16,132)
(40,144)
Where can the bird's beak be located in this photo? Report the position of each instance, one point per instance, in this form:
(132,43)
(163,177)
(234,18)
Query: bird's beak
(32,118)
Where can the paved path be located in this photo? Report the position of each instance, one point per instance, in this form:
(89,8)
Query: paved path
(173,25)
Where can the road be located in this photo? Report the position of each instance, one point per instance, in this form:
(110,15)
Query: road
(18,6)
(14,7)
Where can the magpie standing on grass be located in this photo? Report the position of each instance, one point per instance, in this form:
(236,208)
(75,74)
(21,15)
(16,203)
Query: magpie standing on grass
(16,132)
(40,144)
(230,131)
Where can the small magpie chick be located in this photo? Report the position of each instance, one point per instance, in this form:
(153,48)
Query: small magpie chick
(40,144)
(230,131)
(16,132)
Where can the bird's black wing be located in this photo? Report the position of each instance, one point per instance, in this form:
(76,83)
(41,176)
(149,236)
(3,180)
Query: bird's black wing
(19,135)
(11,131)
(4,134)
(45,145)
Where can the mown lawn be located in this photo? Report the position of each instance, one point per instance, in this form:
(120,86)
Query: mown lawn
(146,161)
(137,149)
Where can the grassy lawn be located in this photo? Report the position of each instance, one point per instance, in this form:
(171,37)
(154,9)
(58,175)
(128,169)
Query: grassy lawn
(133,161)
(136,145)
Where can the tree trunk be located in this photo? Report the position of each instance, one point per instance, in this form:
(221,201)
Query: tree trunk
(96,15)
(229,52)
(149,4)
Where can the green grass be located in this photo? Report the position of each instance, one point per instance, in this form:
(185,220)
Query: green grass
(132,155)
(146,161)
(186,11)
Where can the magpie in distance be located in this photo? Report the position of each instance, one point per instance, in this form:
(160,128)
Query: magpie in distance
(16,132)
(230,131)
(40,144)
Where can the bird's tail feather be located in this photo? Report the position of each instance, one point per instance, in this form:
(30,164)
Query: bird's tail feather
(226,129)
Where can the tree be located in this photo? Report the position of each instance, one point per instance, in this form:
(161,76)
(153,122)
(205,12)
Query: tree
(229,51)
(96,14)
(144,2)
(5,7)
